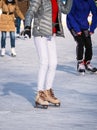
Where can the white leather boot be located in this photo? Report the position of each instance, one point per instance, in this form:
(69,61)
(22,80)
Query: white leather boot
(2,52)
(13,53)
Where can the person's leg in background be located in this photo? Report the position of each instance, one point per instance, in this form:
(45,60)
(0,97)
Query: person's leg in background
(88,52)
(12,41)
(3,43)
(18,25)
(79,50)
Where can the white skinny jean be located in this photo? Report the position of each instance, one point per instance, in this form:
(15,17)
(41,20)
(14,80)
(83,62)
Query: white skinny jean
(46,49)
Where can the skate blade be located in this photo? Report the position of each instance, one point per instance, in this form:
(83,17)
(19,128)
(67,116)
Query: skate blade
(81,73)
(91,72)
(55,104)
(95,72)
(37,105)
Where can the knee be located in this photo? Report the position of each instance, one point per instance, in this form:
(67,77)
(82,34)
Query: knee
(44,64)
(53,65)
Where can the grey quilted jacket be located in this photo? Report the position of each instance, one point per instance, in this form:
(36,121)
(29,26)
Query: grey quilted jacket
(40,11)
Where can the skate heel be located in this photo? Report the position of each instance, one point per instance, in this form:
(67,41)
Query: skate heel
(57,104)
(36,104)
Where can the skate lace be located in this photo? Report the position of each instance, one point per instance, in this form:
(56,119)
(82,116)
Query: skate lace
(42,95)
(52,94)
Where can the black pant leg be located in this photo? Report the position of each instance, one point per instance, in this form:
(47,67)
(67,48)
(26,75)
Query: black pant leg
(88,45)
(80,45)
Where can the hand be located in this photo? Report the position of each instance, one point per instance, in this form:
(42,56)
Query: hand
(27,31)
(91,33)
(79,33)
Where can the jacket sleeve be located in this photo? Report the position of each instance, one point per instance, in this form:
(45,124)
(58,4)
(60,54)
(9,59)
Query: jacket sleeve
(33,7)
(65,8)
(94,17)
(71,19)
(1,2)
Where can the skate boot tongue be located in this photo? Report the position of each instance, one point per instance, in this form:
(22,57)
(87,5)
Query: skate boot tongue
(52,94)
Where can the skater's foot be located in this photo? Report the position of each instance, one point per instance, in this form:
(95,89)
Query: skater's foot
(13,53)
(18,36)
(2,52)
(81,67)
(51,98)
(41,100)
(89,67)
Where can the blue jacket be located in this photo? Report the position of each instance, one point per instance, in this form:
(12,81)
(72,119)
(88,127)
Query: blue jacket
(77,17)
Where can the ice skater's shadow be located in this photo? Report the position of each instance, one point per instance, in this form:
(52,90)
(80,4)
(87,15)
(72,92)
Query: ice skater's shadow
(66,68)
(24,90)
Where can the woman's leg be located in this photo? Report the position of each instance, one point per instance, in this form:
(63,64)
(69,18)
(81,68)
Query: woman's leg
(48,61)
(18,23)
(88,52)
(41,46)
(80,45)
(3,43)
(52,62)
(3,39)
(12,41)
(88,46)
(79,50)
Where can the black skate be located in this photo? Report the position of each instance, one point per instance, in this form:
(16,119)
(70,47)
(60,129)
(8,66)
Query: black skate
(81,71)
(90,69)
(81,68)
